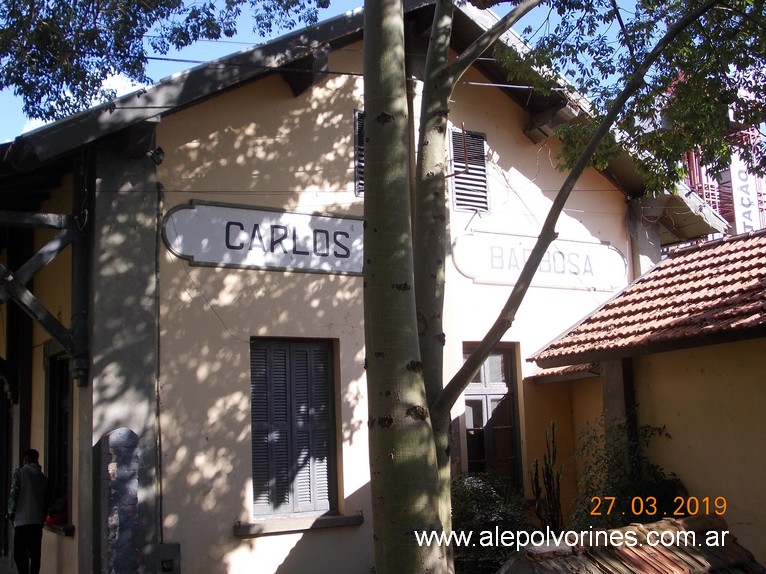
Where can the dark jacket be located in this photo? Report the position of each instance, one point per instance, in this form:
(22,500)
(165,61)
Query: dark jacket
(29,493)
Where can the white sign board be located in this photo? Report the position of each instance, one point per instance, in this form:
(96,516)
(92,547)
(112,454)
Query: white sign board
(744,194)
(232,236)
(498,258)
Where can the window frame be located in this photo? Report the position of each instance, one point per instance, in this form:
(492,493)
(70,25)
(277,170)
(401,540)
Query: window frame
(290,478)
(470,181)
(485,390)
(59,434)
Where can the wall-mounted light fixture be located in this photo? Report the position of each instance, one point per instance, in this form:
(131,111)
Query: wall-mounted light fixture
(157,155)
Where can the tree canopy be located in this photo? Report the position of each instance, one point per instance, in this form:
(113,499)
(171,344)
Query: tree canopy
(706,86)
(57,54)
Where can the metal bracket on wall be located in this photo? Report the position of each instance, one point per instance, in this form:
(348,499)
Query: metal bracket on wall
(13,284)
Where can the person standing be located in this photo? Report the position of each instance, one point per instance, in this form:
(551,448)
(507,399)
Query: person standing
(27,506)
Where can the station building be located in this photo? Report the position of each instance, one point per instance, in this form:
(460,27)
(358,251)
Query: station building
(182,321)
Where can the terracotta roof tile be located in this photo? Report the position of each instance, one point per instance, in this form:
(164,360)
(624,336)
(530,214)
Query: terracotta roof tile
(709,293)
(681,557)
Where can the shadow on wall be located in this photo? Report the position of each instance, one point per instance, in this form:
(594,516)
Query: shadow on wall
(286,151)
(330,550)
(205,395)
(261,156)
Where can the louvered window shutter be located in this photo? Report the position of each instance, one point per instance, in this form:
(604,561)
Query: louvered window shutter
(259,401)
(324,446)
(359,152)
(270,393)
(291,398)
(470,168)
(312,427)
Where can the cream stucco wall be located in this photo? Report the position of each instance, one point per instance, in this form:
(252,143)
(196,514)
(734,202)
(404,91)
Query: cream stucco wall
(257,146)
(261,146)
(712,401)
(570,405)
(523,184)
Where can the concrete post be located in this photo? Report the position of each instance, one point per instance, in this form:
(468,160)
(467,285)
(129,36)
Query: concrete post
(123,343)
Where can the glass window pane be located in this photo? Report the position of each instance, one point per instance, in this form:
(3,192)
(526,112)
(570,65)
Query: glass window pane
(477,376)
(493,402)
(476,449)
(474,413)
(495,367)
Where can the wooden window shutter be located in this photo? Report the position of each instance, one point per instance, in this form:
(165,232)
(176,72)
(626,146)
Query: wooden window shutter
(470,169)
(359,152)
(292,440)
(259,404)
(269,399)
(322,440)
(312,427)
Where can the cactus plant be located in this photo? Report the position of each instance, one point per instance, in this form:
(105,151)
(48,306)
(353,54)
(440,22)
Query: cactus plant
(548,504)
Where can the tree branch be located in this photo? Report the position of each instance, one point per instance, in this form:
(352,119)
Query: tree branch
(623,28)
(483,42)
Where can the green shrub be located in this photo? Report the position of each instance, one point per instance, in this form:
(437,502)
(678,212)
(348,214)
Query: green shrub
(619,469)
(548,495)
(481,502)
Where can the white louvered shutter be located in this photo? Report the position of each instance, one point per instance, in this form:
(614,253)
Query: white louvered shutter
(470,168)
(359,152)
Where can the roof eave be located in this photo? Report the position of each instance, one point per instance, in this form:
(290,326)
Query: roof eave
(204,81)
(565,373)
(177,91)
(687,217)
(655,345)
